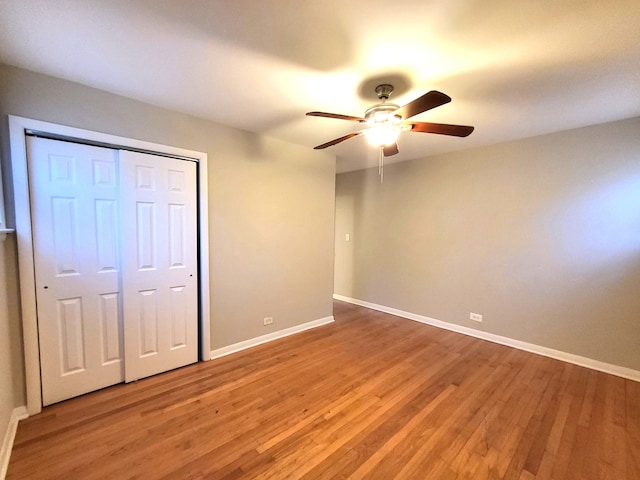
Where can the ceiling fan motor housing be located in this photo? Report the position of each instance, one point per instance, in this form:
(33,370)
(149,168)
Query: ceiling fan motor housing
(382,113)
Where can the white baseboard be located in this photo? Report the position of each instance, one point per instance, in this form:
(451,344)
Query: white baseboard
(269,337)
(617,370)
(7,442)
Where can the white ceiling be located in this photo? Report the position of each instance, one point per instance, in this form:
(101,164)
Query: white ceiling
(513,68)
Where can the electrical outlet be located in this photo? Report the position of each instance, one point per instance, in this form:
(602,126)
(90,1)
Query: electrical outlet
(268,320)
(476,317)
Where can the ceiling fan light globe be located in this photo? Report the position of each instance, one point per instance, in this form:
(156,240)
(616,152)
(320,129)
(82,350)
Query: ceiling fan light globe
(379,117)
(395,120)
(382,135)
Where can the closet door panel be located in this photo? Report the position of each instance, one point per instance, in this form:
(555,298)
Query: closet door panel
(74,219)
(160,281)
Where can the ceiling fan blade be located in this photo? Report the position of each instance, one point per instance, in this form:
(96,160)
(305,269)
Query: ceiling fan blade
(441,128)
(390,150)
(336,115)
(421,104)
(337,140)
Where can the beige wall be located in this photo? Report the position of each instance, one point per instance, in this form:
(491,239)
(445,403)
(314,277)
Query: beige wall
(11,367)
(271,207)
(541,236)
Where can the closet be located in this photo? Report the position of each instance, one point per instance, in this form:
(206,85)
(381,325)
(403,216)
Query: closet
(116,258)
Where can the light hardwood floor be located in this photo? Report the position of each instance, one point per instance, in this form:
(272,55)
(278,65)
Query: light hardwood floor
(371,396)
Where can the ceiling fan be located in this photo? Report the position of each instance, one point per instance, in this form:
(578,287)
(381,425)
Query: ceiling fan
(385,121)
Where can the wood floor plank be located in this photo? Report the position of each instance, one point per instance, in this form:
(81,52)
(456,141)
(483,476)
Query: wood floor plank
(371,396)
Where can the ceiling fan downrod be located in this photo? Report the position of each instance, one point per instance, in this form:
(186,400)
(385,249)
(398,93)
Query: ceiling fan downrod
(384,91)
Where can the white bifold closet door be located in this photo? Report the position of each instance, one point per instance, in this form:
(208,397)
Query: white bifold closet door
(115,255)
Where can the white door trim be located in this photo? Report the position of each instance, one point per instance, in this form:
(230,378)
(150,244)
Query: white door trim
(17,140)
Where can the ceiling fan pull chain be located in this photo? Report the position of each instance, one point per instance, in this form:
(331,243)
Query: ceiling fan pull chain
(381,164)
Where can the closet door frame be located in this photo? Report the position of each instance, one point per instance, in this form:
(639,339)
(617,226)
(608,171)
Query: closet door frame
(18,127)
